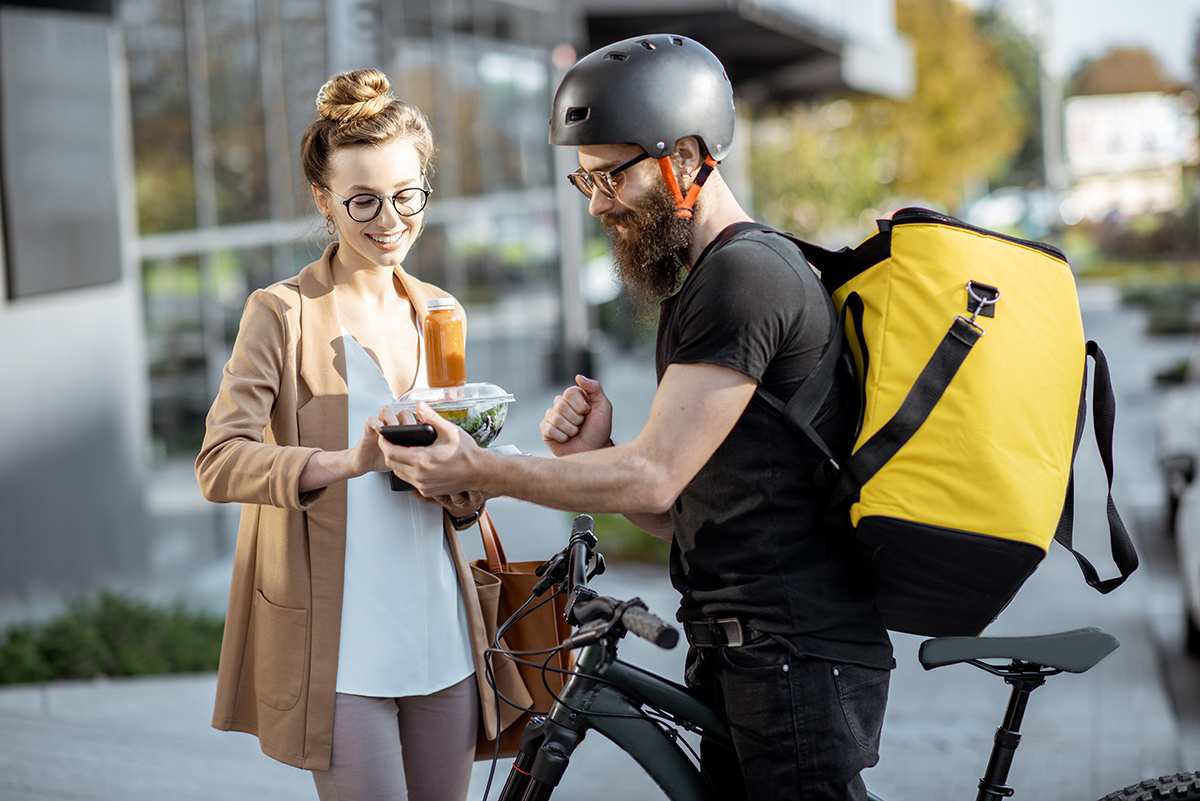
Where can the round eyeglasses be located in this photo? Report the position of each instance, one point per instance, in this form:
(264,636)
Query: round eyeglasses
(606,181)
(364,206)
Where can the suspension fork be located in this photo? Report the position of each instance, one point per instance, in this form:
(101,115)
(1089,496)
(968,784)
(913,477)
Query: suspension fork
(547,744)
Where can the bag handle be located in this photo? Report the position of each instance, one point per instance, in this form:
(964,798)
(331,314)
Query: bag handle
(1104,411)
(493,550)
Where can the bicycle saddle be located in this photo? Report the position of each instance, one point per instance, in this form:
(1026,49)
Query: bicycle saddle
(1073,651)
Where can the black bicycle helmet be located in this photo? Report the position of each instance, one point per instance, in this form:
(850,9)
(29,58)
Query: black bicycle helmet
(650,91)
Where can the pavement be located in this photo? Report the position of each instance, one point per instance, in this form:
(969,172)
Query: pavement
(1084,735)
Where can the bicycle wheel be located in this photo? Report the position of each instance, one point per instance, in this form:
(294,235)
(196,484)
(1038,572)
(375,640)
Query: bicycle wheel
(1180,787)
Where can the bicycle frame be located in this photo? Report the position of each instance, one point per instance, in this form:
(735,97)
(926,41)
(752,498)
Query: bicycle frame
(639,711)
(610,697)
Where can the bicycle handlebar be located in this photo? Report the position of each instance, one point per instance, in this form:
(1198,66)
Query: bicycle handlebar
(579,550)
(649,626)
(585,606)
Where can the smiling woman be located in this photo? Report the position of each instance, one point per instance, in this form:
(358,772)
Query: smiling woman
(353,625)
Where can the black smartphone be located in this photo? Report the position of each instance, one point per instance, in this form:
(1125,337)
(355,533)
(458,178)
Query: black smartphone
(409,435)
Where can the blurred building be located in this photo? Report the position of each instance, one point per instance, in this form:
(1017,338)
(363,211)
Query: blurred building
(73,411)
(160,184)
(1126,154)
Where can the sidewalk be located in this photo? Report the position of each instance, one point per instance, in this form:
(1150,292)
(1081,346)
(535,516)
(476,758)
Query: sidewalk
(1084,736)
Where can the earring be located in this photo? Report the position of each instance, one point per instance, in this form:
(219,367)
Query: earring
(330,228)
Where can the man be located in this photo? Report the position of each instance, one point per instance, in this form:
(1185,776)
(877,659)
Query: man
(786,641)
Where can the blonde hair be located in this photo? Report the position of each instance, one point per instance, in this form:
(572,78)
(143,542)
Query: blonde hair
(358,108)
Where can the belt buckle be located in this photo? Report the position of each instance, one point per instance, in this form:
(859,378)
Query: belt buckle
(731,627)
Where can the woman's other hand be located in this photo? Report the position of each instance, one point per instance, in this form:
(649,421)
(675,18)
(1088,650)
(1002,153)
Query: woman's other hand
(461,504)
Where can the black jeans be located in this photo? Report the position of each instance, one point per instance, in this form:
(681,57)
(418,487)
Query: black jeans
(802,728)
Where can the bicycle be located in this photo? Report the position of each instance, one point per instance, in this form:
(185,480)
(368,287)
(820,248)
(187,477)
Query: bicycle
(642,712)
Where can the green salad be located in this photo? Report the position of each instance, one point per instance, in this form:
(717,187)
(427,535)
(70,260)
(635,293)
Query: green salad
(484,424)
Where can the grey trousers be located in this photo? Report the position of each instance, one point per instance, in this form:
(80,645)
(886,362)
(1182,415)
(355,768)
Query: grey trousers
(417,748)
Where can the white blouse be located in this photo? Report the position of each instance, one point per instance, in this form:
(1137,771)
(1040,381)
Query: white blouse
(404,623)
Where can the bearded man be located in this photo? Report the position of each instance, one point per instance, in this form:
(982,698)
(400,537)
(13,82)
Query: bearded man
(786,642)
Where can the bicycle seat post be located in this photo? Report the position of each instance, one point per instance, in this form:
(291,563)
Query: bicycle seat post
(1024,679)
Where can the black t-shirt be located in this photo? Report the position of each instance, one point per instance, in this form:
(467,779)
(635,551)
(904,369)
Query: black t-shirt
(749,542)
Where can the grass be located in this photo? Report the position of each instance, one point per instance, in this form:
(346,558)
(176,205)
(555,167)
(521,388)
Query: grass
(111,636)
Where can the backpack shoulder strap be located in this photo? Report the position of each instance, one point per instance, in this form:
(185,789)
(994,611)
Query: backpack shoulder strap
(799,412)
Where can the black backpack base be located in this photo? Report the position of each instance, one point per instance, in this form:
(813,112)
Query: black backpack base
(918,568)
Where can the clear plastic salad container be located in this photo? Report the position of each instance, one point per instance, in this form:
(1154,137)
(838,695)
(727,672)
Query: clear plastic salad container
(479,409)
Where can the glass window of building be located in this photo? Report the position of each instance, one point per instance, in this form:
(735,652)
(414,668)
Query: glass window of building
(222,91)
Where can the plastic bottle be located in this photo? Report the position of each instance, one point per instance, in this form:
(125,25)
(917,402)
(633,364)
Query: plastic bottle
(445,349)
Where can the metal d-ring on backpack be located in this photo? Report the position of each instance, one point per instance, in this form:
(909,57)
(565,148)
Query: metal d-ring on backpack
(972,367)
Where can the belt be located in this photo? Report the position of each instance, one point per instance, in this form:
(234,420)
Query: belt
(725,631)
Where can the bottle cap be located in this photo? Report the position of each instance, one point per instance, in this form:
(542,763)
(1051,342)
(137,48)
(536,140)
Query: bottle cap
(439,304)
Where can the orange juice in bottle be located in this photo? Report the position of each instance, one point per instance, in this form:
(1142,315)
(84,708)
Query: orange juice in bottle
(445,348)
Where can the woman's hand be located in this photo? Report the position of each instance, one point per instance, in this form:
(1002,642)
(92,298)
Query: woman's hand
(580,419)
(329,467)
(461,504)
(365,456)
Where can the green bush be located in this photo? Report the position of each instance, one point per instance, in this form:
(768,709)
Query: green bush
(1169,304)
(112,636)
(621,540)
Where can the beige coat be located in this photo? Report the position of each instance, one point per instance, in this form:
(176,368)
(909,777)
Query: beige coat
(284,397)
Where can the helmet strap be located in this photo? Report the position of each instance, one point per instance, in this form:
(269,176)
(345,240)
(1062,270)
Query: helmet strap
(685,205)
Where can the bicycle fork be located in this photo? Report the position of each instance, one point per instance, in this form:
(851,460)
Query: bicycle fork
(541,760)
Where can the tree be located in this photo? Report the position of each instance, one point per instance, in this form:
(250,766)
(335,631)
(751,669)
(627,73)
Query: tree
(1120,71)
(826,164)
(965,119)
(1019,55)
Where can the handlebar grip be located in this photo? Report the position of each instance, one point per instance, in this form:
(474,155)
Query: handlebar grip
(583,524)
(650,627)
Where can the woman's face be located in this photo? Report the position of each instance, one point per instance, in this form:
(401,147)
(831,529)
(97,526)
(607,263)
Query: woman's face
(386,171)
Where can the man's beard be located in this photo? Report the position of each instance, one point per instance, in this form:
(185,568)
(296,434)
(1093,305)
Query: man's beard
(651,251)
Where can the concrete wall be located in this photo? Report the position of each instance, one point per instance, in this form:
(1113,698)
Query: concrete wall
(72,385)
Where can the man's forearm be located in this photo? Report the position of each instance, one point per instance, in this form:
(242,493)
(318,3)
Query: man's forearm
(613,480)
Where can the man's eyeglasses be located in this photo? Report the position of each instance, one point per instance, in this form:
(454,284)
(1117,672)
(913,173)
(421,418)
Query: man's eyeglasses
(606,181)
(365,206)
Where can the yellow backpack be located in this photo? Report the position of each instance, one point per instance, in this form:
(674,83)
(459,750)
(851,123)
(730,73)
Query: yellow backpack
(971,361)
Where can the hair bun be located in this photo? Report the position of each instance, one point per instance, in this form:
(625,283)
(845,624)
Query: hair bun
(352,96)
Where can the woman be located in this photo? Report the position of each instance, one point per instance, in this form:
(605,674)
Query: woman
(353,638)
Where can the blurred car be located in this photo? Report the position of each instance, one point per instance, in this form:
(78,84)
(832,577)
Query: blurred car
(1028,212)
(1187,545)
(1178,451)
(1177,436)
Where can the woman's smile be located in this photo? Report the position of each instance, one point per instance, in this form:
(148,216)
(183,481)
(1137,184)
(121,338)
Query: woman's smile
(387,241)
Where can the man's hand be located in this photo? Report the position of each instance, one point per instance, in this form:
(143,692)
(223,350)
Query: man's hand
(580,419)
(439,469)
